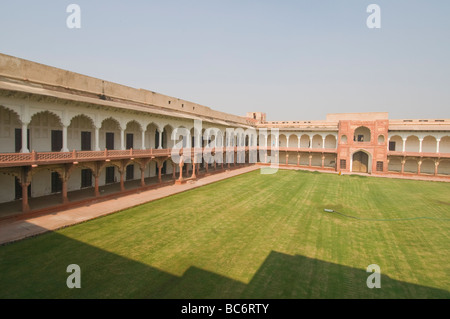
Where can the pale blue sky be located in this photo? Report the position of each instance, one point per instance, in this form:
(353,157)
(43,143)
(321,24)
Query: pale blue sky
(294,60)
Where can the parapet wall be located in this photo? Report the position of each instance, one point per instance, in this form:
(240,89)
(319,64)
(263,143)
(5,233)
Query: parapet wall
(20,69)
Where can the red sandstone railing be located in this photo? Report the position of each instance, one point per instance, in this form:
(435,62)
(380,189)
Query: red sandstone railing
(45,158)
(419,154)
(40,158)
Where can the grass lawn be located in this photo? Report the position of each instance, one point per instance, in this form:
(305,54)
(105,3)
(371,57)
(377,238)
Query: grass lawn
(251,236)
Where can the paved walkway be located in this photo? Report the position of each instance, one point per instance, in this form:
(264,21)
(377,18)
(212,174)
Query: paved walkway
(15,230)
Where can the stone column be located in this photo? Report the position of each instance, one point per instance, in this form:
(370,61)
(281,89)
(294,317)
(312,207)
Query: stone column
(160,139)
(436,166)
(419,163)
(404,145)
(122,139)
(96,183)
(287,158)
(420,145)
(97,139)
(437,145)
(65,199)
(25,204)
(143,139)
(181,168)
(310,160)
(298,160)
(25,138)
(122,179)
(64,141)
(160,166)
(403,166)
(142,168)
(310,142)
(323,161)
(323,142)
(193,168)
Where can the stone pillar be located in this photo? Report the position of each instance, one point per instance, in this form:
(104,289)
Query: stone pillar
(143,139)
(310,142)
(160,139)
(65,199)
(181,168)
(403,166)
(97,183)
(193,168)
(323,161)
(310,160)
(122,179)
(436,166)
(160,166)
(419,163)
(437,145)
(404,145)
(142,168)
(97,139)
(287,158)
(25,138)
(25,204)
(64,141)
(298,160)
(323,142)
(420,145)
(122,139)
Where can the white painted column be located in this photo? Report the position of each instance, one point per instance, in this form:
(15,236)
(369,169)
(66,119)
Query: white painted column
(97,139)
(24,138)
(122,139)
(160,139)
(64,136)
(323,142)
(388,140)
(420,145)
(437,144)
(266,139)
(298,139)
(404,145)
(310,142)
(143,139)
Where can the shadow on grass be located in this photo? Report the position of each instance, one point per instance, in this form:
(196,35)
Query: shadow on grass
(36,268)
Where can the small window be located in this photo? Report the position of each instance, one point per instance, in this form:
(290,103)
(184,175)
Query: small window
(343,164)
(379,166)
(360,138)
(391,146)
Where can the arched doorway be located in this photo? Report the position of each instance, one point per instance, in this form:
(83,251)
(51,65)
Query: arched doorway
(360,162)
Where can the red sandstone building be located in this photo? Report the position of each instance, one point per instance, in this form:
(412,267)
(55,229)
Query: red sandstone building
(67,138)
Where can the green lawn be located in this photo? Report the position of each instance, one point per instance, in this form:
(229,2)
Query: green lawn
(251,236)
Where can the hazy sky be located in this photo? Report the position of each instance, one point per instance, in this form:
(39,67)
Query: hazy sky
(294,60)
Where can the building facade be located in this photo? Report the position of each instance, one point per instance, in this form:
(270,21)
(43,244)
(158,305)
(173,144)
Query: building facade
(62,133)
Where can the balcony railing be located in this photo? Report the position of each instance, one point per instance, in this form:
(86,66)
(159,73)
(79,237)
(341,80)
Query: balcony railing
(419,154)
(45,158)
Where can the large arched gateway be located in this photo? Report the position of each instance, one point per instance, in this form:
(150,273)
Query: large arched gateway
(360,162)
